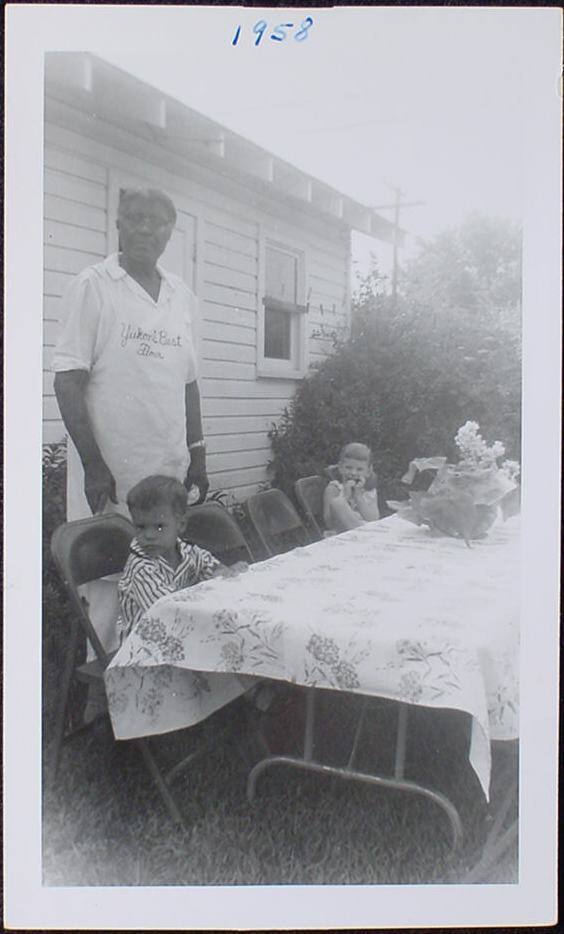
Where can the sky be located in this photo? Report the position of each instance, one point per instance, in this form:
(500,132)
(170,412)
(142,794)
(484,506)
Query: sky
(427,99)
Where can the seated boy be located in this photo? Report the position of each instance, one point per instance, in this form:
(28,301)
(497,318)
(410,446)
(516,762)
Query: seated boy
(160,562)
(351,498)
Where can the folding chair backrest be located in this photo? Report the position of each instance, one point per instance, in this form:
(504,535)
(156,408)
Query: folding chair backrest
(309,494)
(276,522)
(86,550)
(212,527)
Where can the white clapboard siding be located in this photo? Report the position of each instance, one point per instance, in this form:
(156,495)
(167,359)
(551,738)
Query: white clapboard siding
(231,443)
(226,351)
(238,409)
(237,460)
(224,295)
(75,236)
(51,331)
(236,334)
(222,236)
(77,189)
(227,276)
(48,377)
(72,212)
(64,259)
(93,242)
(47,356)
(55,283)
(64,159)
(246,389)
(221,369)
(229,314)
(237,425)
(229,259)
(249,478)
(53,431)
(227,407)
(50,408)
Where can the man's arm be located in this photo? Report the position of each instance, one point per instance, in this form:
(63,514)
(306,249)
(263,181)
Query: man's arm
(99,484)
(197,473)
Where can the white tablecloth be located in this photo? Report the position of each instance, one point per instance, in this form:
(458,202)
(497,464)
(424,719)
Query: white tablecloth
(386,610)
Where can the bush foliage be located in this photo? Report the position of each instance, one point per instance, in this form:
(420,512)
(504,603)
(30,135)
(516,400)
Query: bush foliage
(412,371)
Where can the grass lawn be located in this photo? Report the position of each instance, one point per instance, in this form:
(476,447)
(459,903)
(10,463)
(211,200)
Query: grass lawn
(104,823)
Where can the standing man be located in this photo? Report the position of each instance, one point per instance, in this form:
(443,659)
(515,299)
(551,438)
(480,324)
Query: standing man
(125,371)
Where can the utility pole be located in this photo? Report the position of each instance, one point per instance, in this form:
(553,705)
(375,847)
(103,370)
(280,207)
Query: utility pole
(397,205)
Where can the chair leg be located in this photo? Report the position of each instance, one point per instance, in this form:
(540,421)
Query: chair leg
(61,719)
(159,781)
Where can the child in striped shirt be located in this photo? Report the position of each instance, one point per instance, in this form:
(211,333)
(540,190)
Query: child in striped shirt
(159,561)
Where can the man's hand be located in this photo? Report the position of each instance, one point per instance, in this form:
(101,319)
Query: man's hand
(197,473)
(99,486)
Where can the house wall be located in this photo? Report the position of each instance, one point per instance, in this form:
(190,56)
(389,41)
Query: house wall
(83,162)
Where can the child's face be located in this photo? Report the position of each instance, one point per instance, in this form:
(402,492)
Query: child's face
(157,530)
(352,469)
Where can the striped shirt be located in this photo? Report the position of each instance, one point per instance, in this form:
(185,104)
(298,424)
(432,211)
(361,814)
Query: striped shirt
(145,579)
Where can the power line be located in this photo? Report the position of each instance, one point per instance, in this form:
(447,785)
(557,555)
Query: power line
(396,206)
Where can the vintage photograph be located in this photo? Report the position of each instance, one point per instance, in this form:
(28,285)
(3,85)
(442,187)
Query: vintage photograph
(283,460)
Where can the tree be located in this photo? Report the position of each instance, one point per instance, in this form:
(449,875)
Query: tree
(411,373)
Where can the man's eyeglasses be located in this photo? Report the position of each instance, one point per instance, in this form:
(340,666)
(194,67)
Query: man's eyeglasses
(138,219)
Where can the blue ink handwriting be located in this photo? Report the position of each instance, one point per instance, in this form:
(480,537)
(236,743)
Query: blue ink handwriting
(279,32)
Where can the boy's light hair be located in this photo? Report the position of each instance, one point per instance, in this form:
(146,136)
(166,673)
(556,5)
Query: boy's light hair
(356,450)
(158,490)
(127,195)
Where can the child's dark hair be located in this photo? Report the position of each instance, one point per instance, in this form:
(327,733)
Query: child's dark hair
(356,450)
(158,490)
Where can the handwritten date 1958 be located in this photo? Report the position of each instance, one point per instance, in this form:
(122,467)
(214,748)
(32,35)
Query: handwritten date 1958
(279,32)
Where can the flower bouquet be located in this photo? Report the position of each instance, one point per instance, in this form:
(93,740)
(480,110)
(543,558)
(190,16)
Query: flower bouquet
(463,499)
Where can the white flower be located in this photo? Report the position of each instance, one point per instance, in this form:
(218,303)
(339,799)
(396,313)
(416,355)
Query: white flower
(497,449)
(511,469)
(475,452)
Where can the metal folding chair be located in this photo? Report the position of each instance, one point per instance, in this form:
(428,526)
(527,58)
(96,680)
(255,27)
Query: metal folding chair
(86,550)
(276,522)
(309,494)
(212,527)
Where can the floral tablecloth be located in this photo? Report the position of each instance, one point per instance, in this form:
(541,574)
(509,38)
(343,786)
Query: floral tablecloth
(386,610)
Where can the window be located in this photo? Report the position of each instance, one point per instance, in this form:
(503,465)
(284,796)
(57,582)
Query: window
(282,334)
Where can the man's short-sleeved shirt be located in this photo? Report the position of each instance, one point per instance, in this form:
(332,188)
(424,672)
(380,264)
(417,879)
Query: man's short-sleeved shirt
(139,354)
(145,579)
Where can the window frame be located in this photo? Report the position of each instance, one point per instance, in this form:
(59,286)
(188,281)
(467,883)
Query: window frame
(270,367)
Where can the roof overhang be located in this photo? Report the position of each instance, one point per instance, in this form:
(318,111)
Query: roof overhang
(84,81)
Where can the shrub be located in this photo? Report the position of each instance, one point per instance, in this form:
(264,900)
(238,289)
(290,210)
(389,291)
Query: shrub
(410,374)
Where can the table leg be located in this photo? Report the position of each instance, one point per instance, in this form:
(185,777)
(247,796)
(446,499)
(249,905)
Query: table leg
(307,763)
(498,840)
(358,731)
(309,725)
(401,741)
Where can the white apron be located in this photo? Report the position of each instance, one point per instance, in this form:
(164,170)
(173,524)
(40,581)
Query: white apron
(140,356)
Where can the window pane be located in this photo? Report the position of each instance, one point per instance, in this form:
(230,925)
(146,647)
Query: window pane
(281,275)
(277,334)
